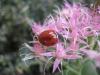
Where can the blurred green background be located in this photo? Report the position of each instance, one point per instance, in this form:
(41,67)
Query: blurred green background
(14,31)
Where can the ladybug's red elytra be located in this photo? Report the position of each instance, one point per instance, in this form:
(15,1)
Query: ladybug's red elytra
(48,38)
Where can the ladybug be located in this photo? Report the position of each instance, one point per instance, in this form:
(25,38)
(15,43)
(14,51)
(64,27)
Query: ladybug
(48,38)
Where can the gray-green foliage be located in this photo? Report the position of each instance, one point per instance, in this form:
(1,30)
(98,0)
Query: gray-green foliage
(13,27)
(14,30)
(81,67)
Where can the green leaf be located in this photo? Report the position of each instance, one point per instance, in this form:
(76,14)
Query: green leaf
(89,68)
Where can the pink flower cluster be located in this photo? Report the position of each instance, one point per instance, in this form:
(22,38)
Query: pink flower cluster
(67,34)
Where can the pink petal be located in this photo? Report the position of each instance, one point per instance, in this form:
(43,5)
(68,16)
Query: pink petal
(97,60)
(38,48)
(73,56)
(36,28)
(48,54)
(60,47)
(56,64)
(74,46)
(91,54)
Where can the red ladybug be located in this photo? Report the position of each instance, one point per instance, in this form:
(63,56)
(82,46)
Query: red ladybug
(48,37)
